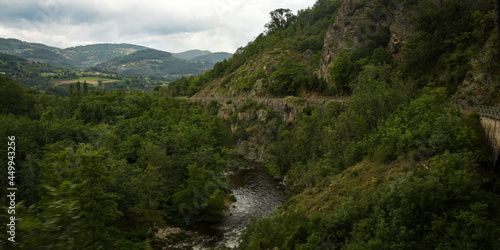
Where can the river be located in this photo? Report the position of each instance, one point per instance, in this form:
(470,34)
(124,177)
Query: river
(257,194)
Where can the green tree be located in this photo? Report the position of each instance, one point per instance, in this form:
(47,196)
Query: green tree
(280,19)
(54,223)
(14,97)
(85,87)
(78,87)
(149,190)
(98,205)
(202,200)
(48,121)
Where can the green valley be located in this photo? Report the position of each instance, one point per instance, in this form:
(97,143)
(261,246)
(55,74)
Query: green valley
(363,112)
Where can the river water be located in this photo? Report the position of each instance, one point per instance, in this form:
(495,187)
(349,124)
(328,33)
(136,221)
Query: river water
(257,194)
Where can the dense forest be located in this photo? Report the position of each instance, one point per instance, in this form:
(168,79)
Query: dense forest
(101,170)
(398,165)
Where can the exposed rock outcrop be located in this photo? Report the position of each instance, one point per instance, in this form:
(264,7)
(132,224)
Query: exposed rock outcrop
(480,84)
(358,22)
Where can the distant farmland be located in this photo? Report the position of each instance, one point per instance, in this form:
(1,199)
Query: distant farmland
(89,80)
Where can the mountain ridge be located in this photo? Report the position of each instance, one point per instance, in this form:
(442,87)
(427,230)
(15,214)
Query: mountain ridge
(86,56)
(151,62)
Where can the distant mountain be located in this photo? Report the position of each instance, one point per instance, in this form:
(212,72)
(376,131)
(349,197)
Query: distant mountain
(213,57)
(47,57)
(190,54)
(91,55)
(151,62)
(15,47)
(34,52)
(79,57)
(120,58)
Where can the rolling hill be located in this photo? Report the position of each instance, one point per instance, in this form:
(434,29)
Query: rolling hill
(48,57)
(14,46)
(151,62)
(110,57)
(190,54)
(203,56)
(213,57)
(14,65)
(91,55)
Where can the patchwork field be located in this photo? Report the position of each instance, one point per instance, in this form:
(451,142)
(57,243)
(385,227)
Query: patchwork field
(90,80)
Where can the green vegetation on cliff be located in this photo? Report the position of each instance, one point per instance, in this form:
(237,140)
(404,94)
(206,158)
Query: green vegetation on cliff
(325,47)
(285,57)
(395,166)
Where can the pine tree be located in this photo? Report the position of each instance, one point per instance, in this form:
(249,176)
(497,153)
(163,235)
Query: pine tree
(71,89)
(85,87)
(78,87)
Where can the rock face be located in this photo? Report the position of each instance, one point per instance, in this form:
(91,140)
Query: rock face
(358,22)
(400,28)
(479,85)
(286,107)
(253,120)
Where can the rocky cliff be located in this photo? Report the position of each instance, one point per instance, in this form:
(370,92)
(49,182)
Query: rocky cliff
(360,22)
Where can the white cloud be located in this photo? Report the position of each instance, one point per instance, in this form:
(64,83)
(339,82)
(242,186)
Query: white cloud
(220,25)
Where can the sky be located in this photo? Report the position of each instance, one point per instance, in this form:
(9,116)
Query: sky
(173,26)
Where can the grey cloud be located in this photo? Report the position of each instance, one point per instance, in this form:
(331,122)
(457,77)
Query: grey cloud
(39,14)
(168,25)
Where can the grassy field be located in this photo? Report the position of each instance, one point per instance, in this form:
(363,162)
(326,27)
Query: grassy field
(90,80)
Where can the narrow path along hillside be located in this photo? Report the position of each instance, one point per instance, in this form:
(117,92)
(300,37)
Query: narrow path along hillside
(287,107)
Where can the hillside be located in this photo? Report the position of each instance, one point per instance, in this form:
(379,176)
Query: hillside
(87,56)
(324,48)
(32,74)
(91,55)
(48,57)
(190,54)
(397,165)
(13,65)
(203,56)
(152,62)
(213,57)
(15,46)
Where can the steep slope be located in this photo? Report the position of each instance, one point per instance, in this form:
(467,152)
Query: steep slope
(324,49)
(365,26)
(397,165)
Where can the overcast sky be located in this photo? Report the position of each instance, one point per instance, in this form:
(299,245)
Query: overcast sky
(174,26)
